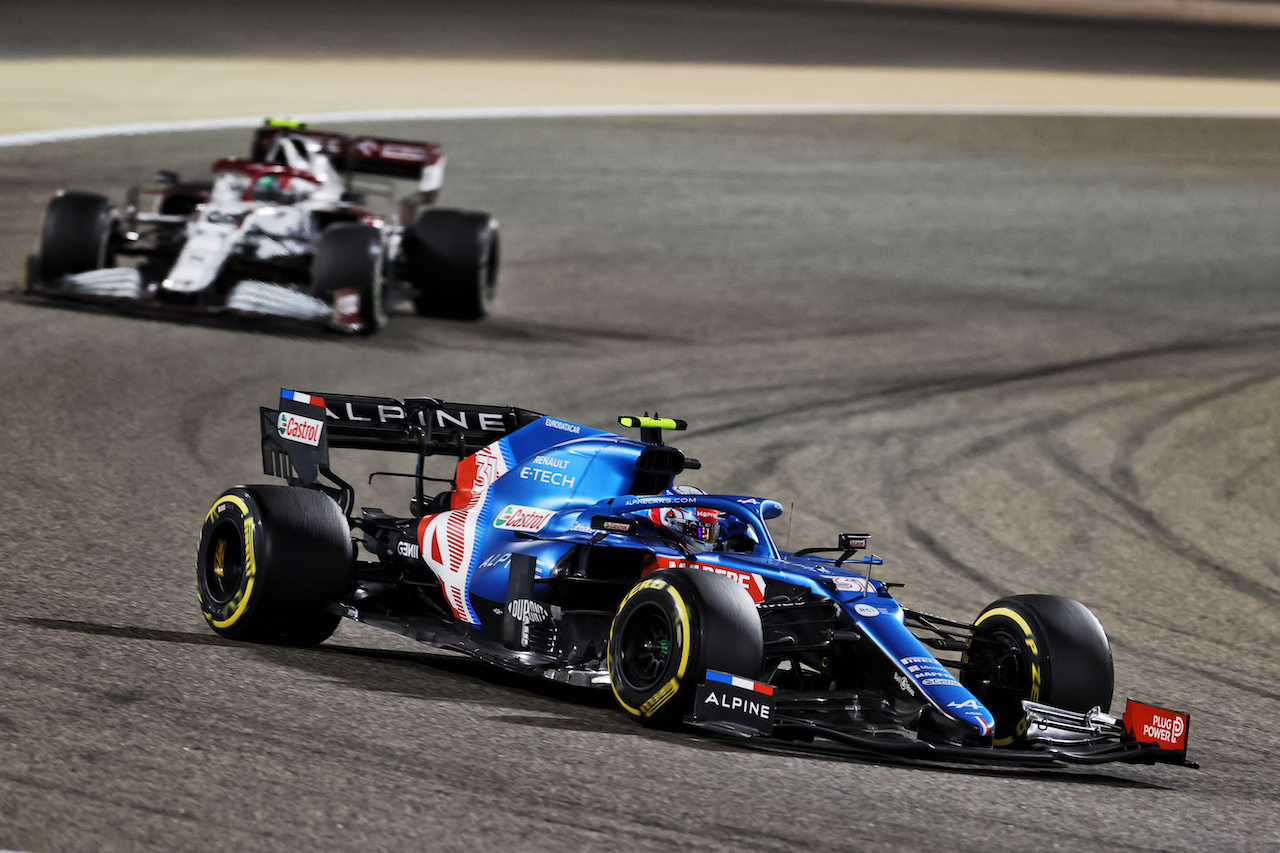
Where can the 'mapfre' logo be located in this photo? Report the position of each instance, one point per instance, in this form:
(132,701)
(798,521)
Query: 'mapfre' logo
(299,429)
(527,519)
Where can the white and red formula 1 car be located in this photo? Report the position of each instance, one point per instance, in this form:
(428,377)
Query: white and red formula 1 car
(284,233)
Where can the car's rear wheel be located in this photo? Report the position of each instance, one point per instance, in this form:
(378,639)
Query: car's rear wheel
(269,559)
(1044,648)
(452,262)
(78,234)
(669,630)
(346,267)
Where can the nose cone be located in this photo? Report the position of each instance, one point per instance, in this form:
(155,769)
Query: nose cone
(958,727)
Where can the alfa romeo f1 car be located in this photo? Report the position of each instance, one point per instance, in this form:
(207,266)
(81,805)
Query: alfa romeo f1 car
(284,233)
(568,553)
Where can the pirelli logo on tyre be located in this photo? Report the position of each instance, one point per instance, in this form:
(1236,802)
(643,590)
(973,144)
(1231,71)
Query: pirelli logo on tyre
(1029,642)
(222,612)
(234,608)
(660,698)
(652,625)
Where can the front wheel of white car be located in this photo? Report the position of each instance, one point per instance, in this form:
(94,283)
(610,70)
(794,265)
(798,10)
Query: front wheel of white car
(77,235)
(347,269)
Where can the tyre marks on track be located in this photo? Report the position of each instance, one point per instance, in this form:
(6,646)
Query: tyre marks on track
(926,540)
(1122,475)
(918,440)
(1157,532)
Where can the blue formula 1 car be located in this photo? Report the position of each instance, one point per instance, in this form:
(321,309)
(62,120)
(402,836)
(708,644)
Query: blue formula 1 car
(568,553)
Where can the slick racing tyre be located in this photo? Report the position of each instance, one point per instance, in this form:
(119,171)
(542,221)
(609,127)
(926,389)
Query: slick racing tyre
(1044,648)
(346,268)
(452,263)
(670,629)
(270,557)
(78,235)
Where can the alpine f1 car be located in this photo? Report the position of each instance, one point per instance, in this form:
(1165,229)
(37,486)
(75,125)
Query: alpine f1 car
(284,233)
(568,553)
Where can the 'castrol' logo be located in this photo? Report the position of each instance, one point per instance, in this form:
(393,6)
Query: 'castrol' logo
(527,519)
(299,429)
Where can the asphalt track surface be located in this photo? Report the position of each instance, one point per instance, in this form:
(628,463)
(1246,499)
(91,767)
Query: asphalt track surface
(1028,354)
(778,32)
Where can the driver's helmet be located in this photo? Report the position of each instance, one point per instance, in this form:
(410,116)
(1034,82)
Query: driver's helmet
(698,528)
(271,188)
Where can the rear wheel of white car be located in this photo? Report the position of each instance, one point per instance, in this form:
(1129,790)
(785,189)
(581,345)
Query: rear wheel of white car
(346,268)
(452,259)
(1044,648)
(77,235)
(669,630)
(269,559)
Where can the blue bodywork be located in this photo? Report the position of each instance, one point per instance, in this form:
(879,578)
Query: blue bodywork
(536,490)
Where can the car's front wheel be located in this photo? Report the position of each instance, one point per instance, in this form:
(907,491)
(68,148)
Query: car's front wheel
(1044,648)
(670,629)
(78,235)
(346,267)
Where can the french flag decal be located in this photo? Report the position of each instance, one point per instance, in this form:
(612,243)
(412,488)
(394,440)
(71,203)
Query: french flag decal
(299,397)
(732,703)
(741,683)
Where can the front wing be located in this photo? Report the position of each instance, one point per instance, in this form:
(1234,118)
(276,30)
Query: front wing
(121,288)
(742,708)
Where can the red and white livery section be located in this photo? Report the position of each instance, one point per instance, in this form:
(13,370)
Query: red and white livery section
(749,581)
(448,539)
(1150,724)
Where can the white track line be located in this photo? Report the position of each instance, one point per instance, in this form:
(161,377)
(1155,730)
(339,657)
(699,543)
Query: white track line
(38,137)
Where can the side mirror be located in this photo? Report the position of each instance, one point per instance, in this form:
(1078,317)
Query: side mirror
(853,541)
(770,509)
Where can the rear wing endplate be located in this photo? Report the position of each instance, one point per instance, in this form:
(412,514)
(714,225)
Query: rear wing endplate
(295,438)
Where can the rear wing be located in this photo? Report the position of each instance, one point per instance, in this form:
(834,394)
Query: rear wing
(296,437)
(419,424)
(370,155)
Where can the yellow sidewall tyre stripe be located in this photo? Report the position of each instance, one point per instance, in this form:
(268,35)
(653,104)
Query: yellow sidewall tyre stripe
(1064,660)
(1029,645)
(247,524)
(684,637)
